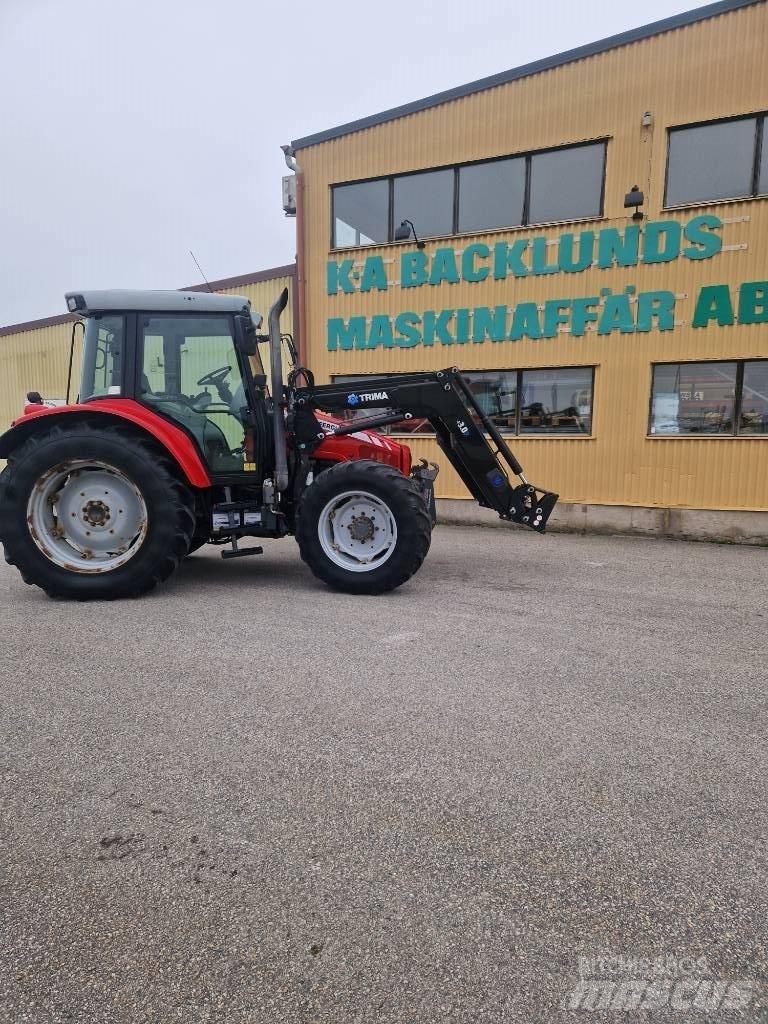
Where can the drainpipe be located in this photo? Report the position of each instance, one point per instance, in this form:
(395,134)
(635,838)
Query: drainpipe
(299,304)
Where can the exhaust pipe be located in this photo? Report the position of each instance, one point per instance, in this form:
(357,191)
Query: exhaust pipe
(276,366)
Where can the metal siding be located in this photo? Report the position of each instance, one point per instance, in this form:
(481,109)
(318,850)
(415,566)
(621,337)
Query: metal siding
(35,360)
(710,69)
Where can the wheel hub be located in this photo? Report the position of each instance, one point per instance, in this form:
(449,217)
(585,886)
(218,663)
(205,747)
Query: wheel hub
(96,513)
(362,528)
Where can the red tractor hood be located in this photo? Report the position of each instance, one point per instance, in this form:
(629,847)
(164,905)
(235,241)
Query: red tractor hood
(363,444)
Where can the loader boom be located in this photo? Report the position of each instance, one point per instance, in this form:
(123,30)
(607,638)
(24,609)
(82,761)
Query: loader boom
(460,424)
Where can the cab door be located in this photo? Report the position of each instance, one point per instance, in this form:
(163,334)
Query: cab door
(190,371)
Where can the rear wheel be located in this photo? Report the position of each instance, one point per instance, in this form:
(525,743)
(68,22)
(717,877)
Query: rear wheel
(93,512)
(363,527)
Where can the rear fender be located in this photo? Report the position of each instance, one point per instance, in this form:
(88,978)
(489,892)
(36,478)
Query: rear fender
(179,446)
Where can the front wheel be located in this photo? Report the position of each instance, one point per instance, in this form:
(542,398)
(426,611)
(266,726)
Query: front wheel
(363,527)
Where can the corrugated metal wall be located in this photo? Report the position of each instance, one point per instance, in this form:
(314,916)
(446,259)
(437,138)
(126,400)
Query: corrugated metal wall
(37,358)
(712,69)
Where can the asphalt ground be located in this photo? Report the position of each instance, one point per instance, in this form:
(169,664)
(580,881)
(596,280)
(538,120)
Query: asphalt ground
(248,799)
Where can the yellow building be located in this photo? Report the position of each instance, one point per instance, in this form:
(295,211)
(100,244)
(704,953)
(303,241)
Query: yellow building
(595,253)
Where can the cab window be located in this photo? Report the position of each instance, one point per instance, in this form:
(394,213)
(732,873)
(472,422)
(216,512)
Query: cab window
(190,372)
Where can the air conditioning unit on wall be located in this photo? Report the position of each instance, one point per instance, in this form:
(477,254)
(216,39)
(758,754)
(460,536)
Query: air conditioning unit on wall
(289,195)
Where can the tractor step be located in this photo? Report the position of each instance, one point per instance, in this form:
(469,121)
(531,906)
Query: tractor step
(242,552)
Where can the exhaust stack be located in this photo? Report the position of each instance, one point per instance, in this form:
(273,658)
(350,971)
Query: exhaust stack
(278,402)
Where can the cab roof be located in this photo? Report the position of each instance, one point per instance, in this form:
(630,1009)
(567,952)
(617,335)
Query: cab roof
(89,303)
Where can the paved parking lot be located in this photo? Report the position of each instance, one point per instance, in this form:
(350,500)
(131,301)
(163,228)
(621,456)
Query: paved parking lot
(248,799)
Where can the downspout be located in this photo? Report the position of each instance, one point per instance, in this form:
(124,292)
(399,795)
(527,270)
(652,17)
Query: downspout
(299,303)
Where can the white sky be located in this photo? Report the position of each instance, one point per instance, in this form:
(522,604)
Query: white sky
(132,131)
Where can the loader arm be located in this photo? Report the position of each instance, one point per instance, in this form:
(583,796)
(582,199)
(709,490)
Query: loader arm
(445,399)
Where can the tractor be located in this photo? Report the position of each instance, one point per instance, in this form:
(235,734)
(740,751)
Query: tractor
(180,437)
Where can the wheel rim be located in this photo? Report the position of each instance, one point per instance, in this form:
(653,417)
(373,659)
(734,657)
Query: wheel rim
(86,516)
(357,531)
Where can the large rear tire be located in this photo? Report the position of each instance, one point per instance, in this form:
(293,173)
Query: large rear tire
(363,527)
(93,512)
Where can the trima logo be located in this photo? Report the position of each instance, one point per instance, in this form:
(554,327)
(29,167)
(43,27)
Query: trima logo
(367,396)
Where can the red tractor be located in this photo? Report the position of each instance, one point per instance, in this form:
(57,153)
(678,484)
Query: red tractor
(177,440)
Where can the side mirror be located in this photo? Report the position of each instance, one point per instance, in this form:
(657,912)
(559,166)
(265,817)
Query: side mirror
(245,335)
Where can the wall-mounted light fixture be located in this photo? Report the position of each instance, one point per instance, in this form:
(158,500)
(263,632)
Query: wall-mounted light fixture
(634,198)
(403,233)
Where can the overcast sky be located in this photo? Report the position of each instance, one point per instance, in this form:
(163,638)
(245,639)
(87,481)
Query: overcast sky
(135,130)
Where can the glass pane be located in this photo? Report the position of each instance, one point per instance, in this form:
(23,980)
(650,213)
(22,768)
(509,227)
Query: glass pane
(491,195)
(567,184)
(496,394)
(427,200)
(190,372)
(101,357)
(556,401)
(713,161)
(762,181)
(693,398)
(361,213)
(754,399)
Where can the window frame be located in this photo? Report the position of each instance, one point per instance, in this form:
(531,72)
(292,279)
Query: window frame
(525,155)
(760,117)
(518,372)
(737,401)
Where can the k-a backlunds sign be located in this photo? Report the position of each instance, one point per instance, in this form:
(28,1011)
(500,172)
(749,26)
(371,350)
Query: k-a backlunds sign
(627,311)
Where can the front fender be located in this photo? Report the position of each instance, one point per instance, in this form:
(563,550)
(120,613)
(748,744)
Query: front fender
(179,446)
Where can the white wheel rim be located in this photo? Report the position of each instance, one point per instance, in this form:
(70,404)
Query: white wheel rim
(86,516)
(357,531)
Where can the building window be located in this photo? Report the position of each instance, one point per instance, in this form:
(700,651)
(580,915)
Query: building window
(361,214)
(567,183)
(492,194)
(724,398)
(552,401)
(427,200)
(556,401)
(722,160)
(552,185)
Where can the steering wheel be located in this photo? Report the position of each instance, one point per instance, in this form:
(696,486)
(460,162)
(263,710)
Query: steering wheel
(215,377)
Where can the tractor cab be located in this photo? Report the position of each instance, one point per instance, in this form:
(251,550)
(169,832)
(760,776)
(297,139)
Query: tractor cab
(189,357)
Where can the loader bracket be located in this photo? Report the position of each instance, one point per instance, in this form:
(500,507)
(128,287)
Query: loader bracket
(532,506)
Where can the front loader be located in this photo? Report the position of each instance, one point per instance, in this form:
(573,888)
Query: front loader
(180,438)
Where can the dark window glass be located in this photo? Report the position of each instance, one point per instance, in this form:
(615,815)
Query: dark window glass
(427,200)
(754,399)
(762,178)
(556,401)
(491,195)
(496,393)
(567,183)
(360,213)
(102,353)
(693,398)
(713,161)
